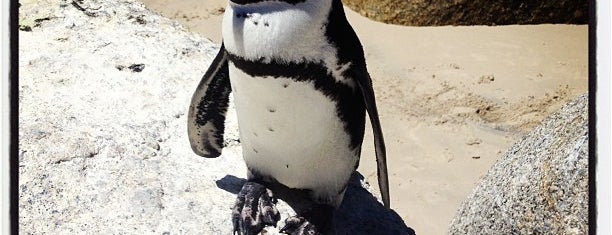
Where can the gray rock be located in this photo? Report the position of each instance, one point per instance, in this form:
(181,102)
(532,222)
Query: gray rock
(539,186)
(104,88)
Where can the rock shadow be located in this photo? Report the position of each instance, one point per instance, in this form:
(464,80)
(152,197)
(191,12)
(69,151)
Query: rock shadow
(359,213)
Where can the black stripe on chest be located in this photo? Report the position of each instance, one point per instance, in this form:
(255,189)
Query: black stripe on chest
(349,102)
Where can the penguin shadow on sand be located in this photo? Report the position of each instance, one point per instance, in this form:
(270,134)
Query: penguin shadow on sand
(359,213)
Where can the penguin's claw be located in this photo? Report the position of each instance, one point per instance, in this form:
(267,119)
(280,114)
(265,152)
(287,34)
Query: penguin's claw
(297,225)
(254,209)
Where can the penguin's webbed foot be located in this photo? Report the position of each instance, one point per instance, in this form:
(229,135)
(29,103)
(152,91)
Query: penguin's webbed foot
(254,209)
(317,220)
(297,225)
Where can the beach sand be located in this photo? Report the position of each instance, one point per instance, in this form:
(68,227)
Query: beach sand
(451,99)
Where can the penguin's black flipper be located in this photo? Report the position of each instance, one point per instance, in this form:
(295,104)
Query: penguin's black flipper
(365,85)
(342,35)
(206,119)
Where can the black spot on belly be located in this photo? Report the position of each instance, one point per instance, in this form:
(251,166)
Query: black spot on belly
(271,109)
(287,166)
(255,22)
(270,129)
(255,134)
(285,85)
(266,24)
(255,150)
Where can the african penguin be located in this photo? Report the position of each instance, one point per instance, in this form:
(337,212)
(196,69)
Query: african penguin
(301,89)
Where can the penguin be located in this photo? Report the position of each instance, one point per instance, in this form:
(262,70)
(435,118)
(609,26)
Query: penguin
(301,89)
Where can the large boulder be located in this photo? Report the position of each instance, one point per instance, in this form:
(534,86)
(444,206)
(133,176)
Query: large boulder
(479,12)
(539,186)
(104,86)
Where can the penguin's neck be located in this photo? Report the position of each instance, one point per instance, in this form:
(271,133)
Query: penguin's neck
(278,30)
(244,2)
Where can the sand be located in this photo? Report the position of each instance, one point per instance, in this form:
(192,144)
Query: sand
(451,99)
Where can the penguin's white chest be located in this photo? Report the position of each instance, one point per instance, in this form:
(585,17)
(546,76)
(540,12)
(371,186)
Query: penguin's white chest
(291,132)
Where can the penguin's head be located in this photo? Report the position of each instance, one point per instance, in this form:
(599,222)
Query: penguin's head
(244,2)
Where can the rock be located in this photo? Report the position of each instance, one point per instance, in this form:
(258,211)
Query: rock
(483,12)
(104,90)
(539,186)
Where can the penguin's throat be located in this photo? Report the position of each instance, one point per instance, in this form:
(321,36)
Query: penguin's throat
(273,29)
(245,2)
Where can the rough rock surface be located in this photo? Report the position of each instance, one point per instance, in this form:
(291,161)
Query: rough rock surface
(539,186)
(104,88)
(482,12)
